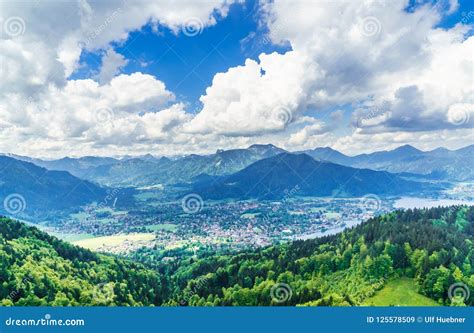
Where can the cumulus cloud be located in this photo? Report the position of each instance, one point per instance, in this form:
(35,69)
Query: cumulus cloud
(44,113)
(112,63)
(360,53)
(130,108)
(311,135)
(359,142)
(56,32)
(404,77)
(256,98)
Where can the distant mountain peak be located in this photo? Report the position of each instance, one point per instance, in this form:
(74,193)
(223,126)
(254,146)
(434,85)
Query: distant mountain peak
(312,178)
(262,146)
(325,148)
(407,149)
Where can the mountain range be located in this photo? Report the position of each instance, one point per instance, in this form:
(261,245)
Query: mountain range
(300,174)
(147,170)
(26,187)
(440,163)
(259,171)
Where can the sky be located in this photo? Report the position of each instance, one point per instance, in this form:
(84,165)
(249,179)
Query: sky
(112,78)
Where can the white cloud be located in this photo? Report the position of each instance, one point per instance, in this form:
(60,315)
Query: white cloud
(56,32)
(359,142)
(361,53)
(43,113)
(453,6)
(343,53)
(129,109)
(316,133)
(112,63)
(256,98)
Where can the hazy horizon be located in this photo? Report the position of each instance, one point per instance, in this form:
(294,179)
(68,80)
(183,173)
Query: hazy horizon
(218,149)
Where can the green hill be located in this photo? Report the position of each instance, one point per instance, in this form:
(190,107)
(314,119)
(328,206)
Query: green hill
(403,258)
(38,269)
(344,269)
(399,292)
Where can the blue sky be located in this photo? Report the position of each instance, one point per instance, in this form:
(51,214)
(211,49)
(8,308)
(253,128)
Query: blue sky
(188,64)
(355,76)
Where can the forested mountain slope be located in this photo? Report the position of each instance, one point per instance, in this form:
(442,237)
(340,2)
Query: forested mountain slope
(433,247)
(38,269)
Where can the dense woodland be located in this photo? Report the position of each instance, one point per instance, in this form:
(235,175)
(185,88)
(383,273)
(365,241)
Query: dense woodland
(38,269)
(434,246)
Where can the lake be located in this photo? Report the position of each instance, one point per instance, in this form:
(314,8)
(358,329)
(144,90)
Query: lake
(413,202)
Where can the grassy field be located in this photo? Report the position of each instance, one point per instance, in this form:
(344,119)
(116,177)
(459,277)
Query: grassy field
(399,292)
(164,226)
(71,238)
(116,240)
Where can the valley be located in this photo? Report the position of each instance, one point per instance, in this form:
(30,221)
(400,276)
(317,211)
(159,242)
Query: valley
(168,213)
(224,225)
(228,201)
(218,225)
